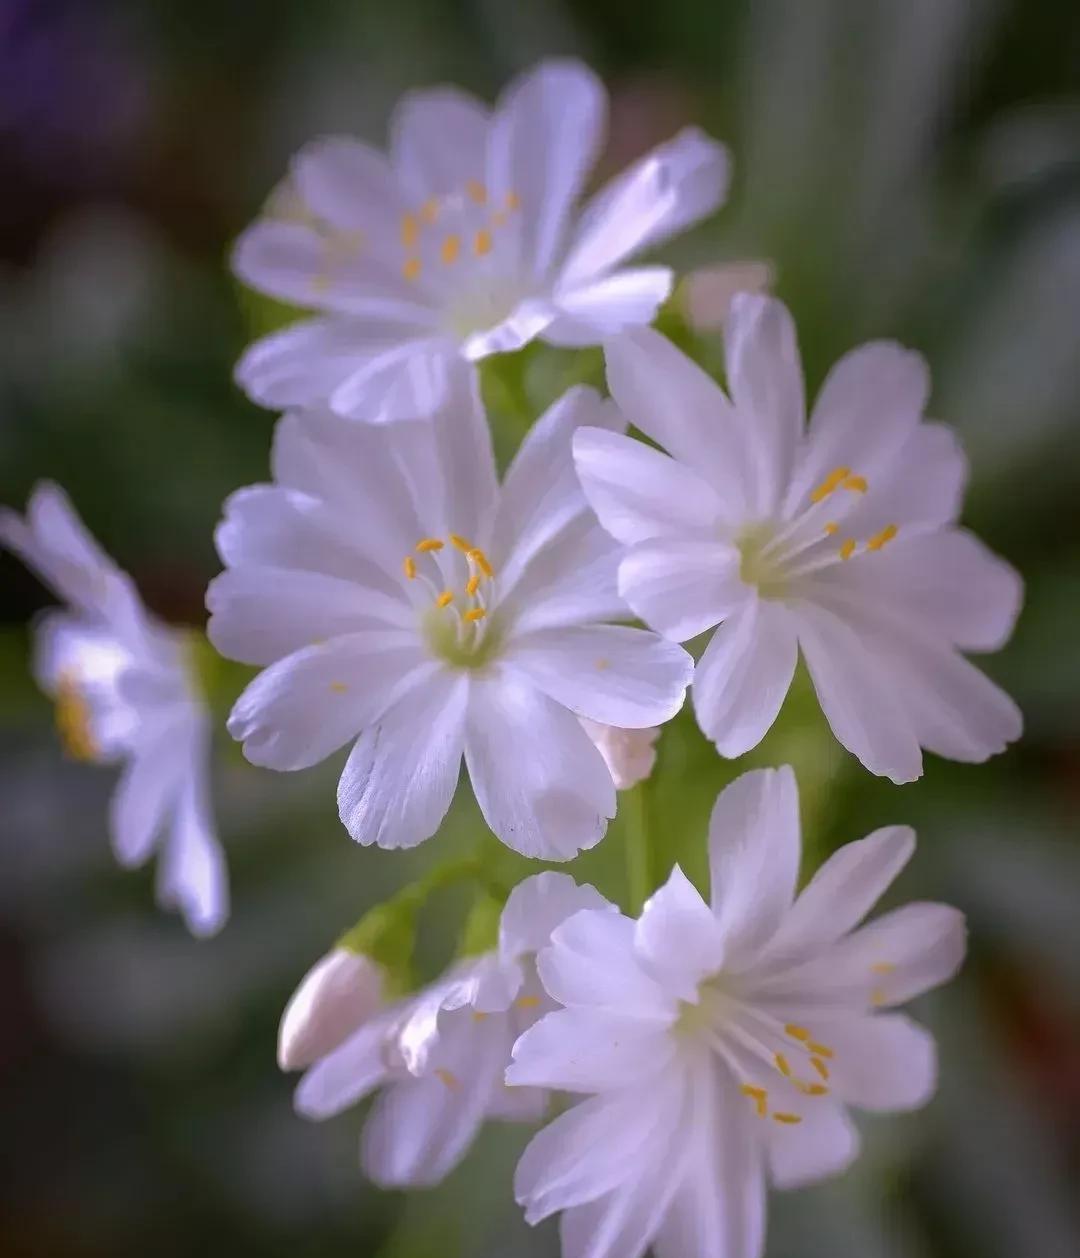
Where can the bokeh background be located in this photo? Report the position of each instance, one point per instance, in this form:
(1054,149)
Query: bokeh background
(907,168)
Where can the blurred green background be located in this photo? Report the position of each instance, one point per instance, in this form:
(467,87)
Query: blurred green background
(908,168)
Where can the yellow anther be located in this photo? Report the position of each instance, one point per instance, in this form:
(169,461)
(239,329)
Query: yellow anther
(791,1119)
(338,687)
(831,528)
(821,1050)
(479,1015)
(881,539)
(878,997)
(820,1067)
(758,1095)
(527,1002)
(602,665)
(829,484)
(451,247)
(857,484)
(482,242)
(513,201)
(796,1032)
(472,585)
(426,544)
(782,1065)
(481,560)
(408,566)
(429,211)
(410,230)
(411,269)
(445,598)
(476,191)
(813,1089)
(847,549)
(461,543)
(448,1078)
(882,967)
(73,721)
(474,614)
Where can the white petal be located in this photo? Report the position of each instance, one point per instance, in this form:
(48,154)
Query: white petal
(676,185)
(591,962)
(340,992)
(348,1073)
(862,706)
(191,874)
(407,381)
(743,677)
(590,1050)
(400,777)
(680,586)
(921,488)
(541,784)
(764,374)
(148,788)
(630,754)
(844,890)
(592,311)
(868,407)
(526,321)
(640,493)
(546,135)
(536,906)
(824,1143)
(608,673)
(668,396)
(754,851)
(350,185)
(884,1062)
(438,142)
(677,938)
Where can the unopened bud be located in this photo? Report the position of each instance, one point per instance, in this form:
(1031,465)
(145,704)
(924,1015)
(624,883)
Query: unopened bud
(335,997)
(628,753)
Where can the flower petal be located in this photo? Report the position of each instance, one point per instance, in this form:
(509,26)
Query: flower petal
(351,186)
(754,851)
(347,1074)
(608,673)
(681,587)
(408,381)
(191,874)
(590,1050)
(400,777)
(824,1143)
(542,786)
(438,141)
(545,138)
(537,905)
(743,677)
(883,1062)
(640,493)
(676,185)
(148,788)
(677,939)
(593,311)
(307,705)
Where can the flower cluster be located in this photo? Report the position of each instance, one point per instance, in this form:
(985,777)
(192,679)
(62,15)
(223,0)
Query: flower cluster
(403,601)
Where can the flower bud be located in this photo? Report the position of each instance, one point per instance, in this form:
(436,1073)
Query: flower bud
(336,996)
(628,753)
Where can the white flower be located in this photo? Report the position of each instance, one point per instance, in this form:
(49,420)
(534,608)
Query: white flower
(340,992)
(463,243)
(440,1056)
(124,692)
(629,754)
(398,593)
(723,1043)
(839,541)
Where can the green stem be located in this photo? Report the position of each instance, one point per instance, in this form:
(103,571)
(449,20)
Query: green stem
(639,874)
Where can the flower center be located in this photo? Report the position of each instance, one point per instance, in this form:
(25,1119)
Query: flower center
(73,720)
(455,622)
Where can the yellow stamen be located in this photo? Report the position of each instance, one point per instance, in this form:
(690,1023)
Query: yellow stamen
(448,1078)
(451,247)
(410,230)
(857,484)
(829,484)
(461,543)
(481,560)
(426,544)
(476,191)
(602,665)
(881,539)
(475,614)
(758,1095)
(527,1002)
(482,243)
(338,687)
(820,1067)
(429,211)
(782,1065)
(831,528)
(878,997)
(472,585)
(445,598)
(479,1015)
(408,565)
(411,269)
(787,1118)
(847,549)
(822,1050)
(882,967)
(73,721)
(513,201)
(813,1089)
(796,1032)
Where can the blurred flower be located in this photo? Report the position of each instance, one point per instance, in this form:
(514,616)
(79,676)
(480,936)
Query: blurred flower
(125,691)
(840,543)
(629,754)
(462,244)
(396,591)
(440,1056)
(724,1042)
(335,997)
(708,292)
